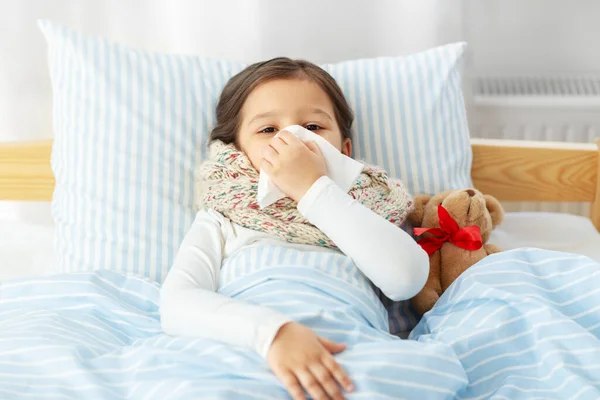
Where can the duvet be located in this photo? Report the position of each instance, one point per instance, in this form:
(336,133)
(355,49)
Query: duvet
(522,324)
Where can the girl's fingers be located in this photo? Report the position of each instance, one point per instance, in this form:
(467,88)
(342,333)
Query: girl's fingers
(285,136)
(327,381)
(288,137)
(332,347)
(278,144)
(270,155)
(312,146)
(266,166)
(338,373)
(291,384)
(311,384)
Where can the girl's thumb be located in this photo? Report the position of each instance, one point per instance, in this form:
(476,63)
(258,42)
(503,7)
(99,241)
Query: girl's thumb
(332,347)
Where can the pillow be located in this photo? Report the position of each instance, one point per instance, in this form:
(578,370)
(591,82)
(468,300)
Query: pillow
(410,116)
(131,125)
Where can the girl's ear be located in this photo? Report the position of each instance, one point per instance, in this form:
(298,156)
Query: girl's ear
(416,216)
(347,147)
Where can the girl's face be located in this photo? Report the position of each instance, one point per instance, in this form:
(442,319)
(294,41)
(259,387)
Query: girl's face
(279,103)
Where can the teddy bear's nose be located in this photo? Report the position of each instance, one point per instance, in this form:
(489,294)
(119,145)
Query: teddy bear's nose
(470,192)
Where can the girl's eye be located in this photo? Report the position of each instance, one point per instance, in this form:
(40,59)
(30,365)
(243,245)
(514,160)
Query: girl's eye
(268,129)
(313,127)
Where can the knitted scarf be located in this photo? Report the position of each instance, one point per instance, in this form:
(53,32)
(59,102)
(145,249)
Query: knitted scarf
(228,183)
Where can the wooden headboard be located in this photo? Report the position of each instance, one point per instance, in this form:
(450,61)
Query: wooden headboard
(509,170)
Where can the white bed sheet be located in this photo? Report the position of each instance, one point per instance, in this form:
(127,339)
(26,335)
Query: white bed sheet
(27,249)
(551,231)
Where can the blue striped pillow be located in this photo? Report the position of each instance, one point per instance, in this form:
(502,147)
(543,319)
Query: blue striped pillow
(410,116)
(130,127)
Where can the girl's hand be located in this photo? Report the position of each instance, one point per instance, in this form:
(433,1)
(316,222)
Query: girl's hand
(292,164)
(301,359)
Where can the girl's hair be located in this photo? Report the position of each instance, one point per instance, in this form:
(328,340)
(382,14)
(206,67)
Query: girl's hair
(239,87)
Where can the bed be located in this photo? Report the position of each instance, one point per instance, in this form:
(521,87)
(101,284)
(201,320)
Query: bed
(543,230)
(97,334)
(509,170)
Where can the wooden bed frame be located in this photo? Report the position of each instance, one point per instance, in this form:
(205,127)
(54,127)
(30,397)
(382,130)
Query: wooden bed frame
(509,170)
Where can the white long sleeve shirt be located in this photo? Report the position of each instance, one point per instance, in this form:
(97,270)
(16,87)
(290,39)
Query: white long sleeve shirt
(190,305)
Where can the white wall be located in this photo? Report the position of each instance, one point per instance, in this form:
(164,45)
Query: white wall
(504,35)
(247,30)
(533,35)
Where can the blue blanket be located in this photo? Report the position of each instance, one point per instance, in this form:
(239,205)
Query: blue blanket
(523,324)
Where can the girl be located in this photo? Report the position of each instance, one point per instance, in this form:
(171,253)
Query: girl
(317,220)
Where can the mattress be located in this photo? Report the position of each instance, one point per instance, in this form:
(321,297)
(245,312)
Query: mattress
(551,231)
(27,249)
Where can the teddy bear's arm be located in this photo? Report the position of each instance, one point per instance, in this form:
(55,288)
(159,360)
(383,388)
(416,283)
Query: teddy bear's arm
(431,292)
(491,249)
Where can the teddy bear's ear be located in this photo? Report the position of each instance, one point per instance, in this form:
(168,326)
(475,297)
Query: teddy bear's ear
(416,216)
(495,209)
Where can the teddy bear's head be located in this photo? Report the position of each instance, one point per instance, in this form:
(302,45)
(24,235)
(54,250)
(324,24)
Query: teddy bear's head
(467,207)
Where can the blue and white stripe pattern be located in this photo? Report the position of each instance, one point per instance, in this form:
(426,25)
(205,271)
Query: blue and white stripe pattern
(410,116)
(130,127)
(523,324)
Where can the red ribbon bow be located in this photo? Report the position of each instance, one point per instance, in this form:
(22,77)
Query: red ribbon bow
(468,238)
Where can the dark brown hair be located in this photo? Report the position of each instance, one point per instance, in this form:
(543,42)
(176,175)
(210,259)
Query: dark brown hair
(239,87)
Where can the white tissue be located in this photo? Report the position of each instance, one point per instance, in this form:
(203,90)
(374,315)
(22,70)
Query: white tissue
(341,169)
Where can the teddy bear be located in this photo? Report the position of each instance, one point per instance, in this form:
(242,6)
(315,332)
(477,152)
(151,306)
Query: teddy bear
(453,227)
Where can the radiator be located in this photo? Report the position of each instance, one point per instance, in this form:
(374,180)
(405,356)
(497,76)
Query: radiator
(547,108)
